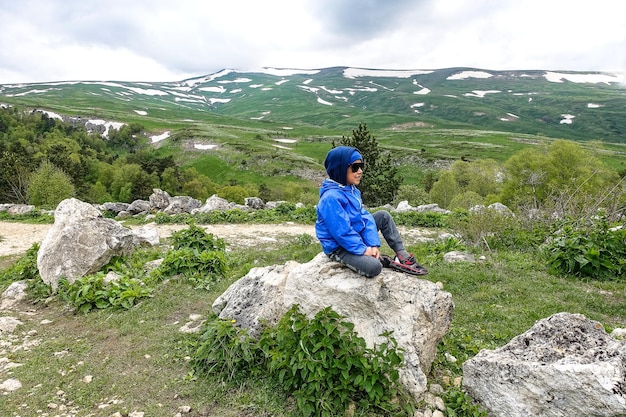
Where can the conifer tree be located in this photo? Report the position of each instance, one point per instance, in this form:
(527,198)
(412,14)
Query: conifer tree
(381,180)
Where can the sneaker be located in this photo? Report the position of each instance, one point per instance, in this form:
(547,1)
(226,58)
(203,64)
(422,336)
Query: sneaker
(385,260)
(408,265)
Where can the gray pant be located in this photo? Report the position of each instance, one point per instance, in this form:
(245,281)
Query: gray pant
(368,265)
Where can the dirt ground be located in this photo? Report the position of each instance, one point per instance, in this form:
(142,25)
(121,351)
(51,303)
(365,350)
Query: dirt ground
(16,238)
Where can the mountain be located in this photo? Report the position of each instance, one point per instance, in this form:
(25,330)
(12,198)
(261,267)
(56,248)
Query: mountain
(572,105)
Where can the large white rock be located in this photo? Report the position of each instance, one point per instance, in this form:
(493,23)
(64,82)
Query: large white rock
(81,241)
(418,311)
(565,365)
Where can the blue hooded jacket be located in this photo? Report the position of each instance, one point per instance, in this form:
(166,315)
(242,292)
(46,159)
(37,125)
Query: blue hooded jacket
(341,219)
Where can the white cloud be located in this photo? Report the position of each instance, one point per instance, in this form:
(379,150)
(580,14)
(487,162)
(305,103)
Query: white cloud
(161,40)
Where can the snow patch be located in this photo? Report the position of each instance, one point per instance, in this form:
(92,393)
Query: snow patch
(204,147)
(422,92)
(480,93)
(281,82)
(319,100)
(286,140)
(469,74)
(193,81)
(558,77)
(567,119)
(159,138)
(219,89)
(237,80)
(141,112)
(593,105)
(218,100)
(362,72)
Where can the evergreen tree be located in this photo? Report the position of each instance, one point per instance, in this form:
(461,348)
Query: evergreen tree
(381,181)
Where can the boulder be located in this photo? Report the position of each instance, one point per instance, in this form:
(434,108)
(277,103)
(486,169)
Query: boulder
(182,204)
(213,203)
(139,207)
(159,199)
(81,241)
(8,324)
(418,312)
(20,209)
(565,365)
(254,203)
(113,207)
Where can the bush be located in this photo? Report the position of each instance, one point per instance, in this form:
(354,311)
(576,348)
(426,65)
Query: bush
(92,292)
(197,255)
(24,269)
(593,249)
(49,185)
(320,361)
(486,228)
(416,196)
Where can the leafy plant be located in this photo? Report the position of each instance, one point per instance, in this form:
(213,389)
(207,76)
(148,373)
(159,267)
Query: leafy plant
(92,292)
(321,362)
(327,366)
(197,238)
(460,404)
(227,350)
(594,249)
(24,268)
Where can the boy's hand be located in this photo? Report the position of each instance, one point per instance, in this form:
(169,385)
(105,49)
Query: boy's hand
(372,251)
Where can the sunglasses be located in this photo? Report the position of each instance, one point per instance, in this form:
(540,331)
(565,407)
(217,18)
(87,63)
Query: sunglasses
(357,165)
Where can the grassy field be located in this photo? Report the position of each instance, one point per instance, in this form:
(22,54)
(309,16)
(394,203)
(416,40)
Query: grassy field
(105,361)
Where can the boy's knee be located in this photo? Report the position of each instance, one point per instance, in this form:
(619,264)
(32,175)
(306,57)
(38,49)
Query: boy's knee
(374,269)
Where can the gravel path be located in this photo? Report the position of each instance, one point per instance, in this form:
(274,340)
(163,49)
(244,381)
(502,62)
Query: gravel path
(18,237)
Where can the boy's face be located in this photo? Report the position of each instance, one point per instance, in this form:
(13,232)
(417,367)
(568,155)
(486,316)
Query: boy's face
(354,178)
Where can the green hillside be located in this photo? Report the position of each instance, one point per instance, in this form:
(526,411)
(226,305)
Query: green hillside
(273,127)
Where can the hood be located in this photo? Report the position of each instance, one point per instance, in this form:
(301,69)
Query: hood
(337,162)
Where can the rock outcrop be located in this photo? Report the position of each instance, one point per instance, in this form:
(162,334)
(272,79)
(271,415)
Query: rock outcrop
(81,241)
(418,311)
(565,365)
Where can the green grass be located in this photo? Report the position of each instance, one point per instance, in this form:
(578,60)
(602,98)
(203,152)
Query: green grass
(139,359)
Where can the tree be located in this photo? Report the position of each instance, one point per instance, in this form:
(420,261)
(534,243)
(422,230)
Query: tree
(49,185)
(381,181)
(444,190)
(562,177)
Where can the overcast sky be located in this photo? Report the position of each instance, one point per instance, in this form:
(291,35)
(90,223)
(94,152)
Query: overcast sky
(170,40)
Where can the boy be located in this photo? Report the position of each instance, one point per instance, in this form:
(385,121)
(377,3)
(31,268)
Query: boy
(347,231)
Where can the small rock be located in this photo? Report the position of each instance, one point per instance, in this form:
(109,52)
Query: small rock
(11,384)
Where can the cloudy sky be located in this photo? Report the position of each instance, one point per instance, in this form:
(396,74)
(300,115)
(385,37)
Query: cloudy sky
(170,40)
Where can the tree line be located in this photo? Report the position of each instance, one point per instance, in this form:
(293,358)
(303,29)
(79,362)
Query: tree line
(44,160)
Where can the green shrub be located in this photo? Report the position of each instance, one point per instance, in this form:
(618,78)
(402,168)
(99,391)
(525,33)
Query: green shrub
(421,219)
(486,228)
(24,268)
(197,255)
(321,362)
(92,292)
(226,350)
(413,194)
(593,249)
(460,404)
(327,367)
(197,238)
